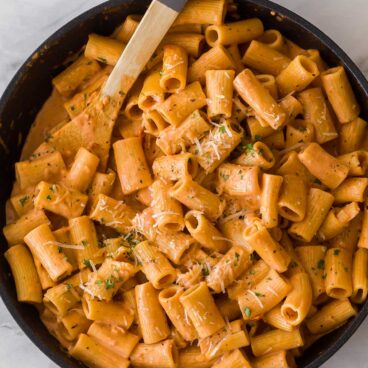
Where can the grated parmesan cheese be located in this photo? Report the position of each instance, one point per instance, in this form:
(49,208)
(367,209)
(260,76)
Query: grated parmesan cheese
(259,301)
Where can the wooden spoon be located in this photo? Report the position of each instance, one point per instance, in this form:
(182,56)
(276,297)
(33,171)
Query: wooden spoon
(92,129)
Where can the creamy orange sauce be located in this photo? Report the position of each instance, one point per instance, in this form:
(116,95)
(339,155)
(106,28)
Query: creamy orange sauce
(51,114)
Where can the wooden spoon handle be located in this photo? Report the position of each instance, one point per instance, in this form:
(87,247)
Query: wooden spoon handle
(156,22)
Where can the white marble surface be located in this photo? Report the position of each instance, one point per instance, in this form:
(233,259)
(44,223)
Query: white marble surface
(24,24)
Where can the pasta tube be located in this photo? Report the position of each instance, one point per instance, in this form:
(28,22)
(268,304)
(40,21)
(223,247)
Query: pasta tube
(46,167)
(275,341)
(112,213)
(271,185)
(351,190)
(217,145)
(199,305)
(175,167)
(108,312)
(258,97)
(235,359)
(74,75)
(169,299)
(180,105)
(329,170)
(44,246)
(152,318)
(216,58)
(276,319)
(265,59)
(132,166)
(202,12)
(233,336)
(317,112)
(312,258)
(174,69)
(338,273)
(152,93)
(219,89)
(93,354)
(331,316)
(55,198)
(281,359)
(318,205)
(238,180)
(292,202)
(168,213)
(114,338)
(258,237)
(82,171)
(26,279)
(15,233)
(125,32)
(257,154)
(299,301)
(83,233)
(337,220)
(163,355)
(195,197)
(172,139)
(106,50)
(155,265)
(234,33)
(340,94)
(297,75)
(352,135)
(228,269)
(264,296)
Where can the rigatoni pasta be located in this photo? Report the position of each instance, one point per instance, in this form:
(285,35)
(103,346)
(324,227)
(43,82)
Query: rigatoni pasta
(169,246)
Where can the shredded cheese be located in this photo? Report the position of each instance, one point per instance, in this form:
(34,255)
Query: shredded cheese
(67,246)
(259,301)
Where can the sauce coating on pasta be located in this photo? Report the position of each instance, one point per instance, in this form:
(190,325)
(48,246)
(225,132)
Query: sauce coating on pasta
(220,217)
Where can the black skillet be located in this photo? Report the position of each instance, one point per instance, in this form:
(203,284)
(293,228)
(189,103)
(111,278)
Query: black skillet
(31,86)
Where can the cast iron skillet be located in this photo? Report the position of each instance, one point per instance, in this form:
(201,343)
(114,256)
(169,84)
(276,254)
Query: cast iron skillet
(32,85)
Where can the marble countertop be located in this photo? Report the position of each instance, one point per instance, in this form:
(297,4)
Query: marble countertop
(24,24)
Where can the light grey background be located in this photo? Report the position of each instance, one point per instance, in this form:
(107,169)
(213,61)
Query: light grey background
(24,24)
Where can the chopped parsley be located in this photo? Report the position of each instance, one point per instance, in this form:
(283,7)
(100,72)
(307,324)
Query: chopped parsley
(249,148)
(87,263)
(321,264)
(302,129)
(49,197)
(60,250)
(131,240)
(259,294)
(336,252)
(69,286)
(258,137)
(205,270)
(247,311)
(98,282)
(222,129)
(237,258)
(23,200)
(293,264)
(225,177)
(84,243)
(110,283)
